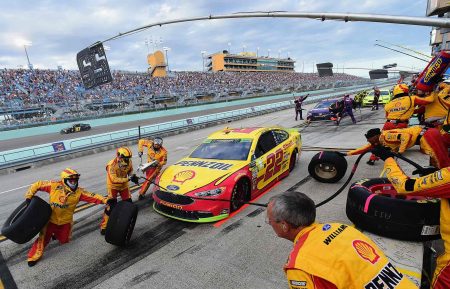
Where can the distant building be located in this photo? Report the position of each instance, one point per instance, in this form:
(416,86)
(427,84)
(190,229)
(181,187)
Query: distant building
(157,64)
(248,61)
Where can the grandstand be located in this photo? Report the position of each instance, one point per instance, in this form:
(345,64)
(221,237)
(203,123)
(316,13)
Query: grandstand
(42,96)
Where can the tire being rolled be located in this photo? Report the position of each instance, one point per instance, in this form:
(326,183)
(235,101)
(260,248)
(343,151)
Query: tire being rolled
(373,205)
(26,221)
(327,167)
(121,223)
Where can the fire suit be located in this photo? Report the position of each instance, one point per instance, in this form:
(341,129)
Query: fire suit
(436,111)
(327,256)
(116,183)
(63,203)
(435,185)
(401,139)
(399,110)
(152,155)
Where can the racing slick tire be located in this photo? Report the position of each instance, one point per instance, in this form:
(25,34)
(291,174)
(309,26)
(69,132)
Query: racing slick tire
(27,220)
(293,161)
(240,194)
(373,205)
(327,167)
(121,223)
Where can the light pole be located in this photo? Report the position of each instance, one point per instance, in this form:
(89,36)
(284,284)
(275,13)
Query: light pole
(243,48)
(229,47)
(257,52)
(279,52)
(25,44)
(167,58)
(147,43)
(268,52)
(203,58)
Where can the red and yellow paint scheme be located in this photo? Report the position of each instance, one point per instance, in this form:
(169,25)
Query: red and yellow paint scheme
(230,167)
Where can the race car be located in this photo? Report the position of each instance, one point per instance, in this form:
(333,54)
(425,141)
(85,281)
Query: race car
(76,128)
(321,111)
(385,97)
(231,166)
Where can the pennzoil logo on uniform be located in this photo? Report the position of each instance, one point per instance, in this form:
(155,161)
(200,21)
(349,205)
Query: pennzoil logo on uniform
(388,277)
(298,284)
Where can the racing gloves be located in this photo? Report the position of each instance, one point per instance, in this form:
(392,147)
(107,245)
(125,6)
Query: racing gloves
(382,152)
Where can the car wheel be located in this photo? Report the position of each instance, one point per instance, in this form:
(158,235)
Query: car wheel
(121,223)
(241,193)
(373,205)
(26,221)
(293,161)
(327,167)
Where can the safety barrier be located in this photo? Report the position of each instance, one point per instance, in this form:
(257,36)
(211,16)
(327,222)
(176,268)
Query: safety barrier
(30,154)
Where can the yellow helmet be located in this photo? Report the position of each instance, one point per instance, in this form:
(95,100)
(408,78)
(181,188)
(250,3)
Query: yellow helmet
(70,178)
(123,156)
(401,90)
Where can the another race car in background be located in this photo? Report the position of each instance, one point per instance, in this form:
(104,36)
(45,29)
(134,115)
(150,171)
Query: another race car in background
(321,111)
(230,167)
(76,128)
(385,97)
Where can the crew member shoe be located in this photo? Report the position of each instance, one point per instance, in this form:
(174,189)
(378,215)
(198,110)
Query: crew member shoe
(102,232)
(370,162)
(32,263)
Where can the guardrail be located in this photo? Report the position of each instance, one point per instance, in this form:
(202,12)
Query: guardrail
(31,154)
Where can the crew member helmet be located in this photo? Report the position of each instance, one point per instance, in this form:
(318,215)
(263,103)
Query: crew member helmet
(123,156)
(70,178)
(157,142)
(401,90)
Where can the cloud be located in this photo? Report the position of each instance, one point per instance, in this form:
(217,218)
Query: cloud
(59,29)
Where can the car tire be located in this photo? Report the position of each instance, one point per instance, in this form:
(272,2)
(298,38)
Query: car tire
(240,193)
(327,167)
(374,206)
(293,161)
(121,223)
(27,220)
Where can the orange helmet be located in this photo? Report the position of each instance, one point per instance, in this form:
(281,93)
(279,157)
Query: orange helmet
(123,156)
(401,90)
(70,179)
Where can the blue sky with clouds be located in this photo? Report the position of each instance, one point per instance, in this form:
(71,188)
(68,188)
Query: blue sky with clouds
(59,29)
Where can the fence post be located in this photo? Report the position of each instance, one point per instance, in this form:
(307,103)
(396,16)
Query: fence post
(139,132)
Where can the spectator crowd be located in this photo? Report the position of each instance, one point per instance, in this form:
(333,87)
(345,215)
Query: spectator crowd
(63,91)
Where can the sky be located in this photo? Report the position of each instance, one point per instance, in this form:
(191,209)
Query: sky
(56,30)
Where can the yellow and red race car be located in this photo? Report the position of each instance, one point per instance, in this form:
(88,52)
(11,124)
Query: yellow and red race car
(230,167)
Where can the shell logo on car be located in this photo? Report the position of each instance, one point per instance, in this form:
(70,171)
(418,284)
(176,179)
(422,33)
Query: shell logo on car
(183,176)
(230,167)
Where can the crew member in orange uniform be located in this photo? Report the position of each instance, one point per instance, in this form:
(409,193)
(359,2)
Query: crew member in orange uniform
(155,152)
(118,171)
(328,256)
(435,185)
(401,139)
(400,109)
(64,197)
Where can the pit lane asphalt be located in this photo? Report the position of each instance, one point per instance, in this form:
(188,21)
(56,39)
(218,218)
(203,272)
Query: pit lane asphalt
(242,252)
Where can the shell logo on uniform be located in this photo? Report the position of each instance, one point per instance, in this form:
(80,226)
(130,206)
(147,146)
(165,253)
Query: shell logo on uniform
(183,176)
(366,251)
(62,199)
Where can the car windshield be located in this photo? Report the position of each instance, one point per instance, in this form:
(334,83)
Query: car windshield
(325,104)
(223,149)
(384,92)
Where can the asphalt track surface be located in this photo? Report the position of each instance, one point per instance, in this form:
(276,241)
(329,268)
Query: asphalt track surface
(54,137)
(240,252)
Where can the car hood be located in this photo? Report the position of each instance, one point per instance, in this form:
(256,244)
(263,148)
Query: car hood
(190,174)
(319,110)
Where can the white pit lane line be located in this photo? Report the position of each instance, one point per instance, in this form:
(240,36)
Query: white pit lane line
(4,192)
